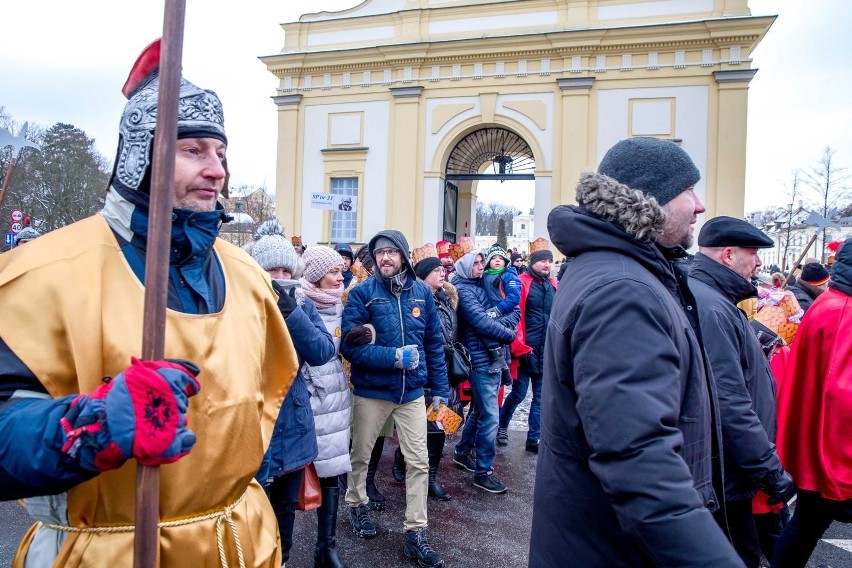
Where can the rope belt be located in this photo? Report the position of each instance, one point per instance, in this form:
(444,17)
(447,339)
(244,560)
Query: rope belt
(222,517)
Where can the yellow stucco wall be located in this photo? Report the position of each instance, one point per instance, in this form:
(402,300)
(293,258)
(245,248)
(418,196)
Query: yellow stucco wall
(538,67)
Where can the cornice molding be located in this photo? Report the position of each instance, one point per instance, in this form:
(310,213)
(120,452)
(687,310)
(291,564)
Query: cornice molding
(572,83)
(735,76)
(406,92)
(302,66)
(287,100)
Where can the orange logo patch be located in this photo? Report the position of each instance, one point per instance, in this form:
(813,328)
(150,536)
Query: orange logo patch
(415,312)
(337,332)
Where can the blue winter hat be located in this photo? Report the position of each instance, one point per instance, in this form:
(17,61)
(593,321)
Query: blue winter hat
(658,168)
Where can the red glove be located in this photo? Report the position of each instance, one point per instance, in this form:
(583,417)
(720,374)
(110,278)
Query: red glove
(141,413)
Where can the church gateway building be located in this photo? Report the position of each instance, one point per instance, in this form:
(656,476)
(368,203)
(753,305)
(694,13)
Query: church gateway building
(391,112)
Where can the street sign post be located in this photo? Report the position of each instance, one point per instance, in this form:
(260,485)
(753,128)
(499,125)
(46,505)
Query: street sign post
(16,228)
(10,239)
(16,215)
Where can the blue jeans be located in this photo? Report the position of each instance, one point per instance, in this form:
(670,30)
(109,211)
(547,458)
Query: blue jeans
(519,392)
(480,427)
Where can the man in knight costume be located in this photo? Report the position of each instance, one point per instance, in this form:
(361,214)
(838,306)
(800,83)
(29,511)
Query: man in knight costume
(205,414)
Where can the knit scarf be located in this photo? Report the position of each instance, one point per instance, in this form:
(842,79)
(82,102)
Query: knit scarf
(500,270)
(321,297)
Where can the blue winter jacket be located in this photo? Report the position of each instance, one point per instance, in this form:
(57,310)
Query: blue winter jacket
(504,290)
(408,319)
(476,329)
(294,442)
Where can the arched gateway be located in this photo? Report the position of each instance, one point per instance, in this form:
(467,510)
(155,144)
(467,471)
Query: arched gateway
(489,153)
(391,106)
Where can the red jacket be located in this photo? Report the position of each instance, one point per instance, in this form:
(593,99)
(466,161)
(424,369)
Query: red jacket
(815,400)
(519,346)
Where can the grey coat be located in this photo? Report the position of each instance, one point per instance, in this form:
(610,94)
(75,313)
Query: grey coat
(331,403)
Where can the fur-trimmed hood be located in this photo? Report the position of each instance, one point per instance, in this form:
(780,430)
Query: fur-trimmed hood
(638,214)
(452,295)
(612,217)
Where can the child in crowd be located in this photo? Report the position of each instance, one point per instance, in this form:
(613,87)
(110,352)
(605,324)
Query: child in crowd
(504,290)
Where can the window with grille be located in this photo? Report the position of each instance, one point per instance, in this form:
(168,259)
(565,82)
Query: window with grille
(344,224)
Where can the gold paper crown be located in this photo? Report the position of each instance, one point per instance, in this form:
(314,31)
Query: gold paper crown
(539,244)
(425,251)
(359,271)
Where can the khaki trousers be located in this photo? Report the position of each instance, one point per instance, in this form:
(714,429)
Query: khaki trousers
(368,417)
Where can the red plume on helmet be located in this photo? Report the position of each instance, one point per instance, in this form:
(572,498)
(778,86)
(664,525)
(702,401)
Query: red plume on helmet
(147,64)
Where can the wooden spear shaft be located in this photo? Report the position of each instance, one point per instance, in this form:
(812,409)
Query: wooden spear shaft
(799,260)
(6,180)
(146,540)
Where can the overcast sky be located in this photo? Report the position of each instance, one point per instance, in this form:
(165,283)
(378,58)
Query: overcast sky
(66,61)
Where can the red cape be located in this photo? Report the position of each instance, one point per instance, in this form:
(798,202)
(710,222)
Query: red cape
(815,400)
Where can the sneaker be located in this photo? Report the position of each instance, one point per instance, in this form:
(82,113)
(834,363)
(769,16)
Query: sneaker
(503,437)
(490,483)
(361,523)
(532,446)
(464,461)
(417,546)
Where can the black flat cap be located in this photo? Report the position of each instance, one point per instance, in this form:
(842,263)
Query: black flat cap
(730,232)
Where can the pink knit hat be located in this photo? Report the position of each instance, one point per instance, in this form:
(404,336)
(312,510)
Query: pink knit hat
(319,260)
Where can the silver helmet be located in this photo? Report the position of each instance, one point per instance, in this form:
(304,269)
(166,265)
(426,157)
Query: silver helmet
(199,115)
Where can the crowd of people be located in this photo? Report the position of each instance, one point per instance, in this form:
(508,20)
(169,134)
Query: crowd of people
(667,433)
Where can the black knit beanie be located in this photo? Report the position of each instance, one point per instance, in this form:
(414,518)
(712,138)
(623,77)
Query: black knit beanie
(426,266)
(540,255)
(659,168)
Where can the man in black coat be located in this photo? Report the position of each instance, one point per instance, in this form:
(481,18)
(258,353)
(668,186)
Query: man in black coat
(720,277)
(626,460)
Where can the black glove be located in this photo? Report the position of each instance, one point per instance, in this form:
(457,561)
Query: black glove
(359,335)
(778,485)
(505,377)
(286,299)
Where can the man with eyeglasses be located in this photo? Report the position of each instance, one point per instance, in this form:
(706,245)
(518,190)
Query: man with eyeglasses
(392,338)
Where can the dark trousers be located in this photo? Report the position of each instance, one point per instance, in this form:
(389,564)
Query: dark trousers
(769,527)
(811,518)
(741,530)
(284,494)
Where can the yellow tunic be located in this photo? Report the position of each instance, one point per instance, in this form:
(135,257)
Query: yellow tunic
(71,309)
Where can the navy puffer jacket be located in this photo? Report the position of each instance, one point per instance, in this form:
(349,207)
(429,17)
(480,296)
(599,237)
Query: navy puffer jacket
(294,442)
(407,318)
(475,327)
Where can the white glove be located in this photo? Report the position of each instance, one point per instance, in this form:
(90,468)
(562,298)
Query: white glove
(407,357)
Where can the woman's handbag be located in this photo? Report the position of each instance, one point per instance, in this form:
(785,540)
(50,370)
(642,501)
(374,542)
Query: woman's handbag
(310,494)
(458,366)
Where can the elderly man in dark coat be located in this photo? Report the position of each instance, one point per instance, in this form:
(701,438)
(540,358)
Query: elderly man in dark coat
(720,277)
(625,467)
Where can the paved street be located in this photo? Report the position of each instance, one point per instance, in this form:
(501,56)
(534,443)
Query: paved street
(474,530)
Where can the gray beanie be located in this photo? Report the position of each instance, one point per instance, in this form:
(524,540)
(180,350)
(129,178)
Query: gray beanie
(383,243)
(26,233)
(272,249)
(658,168)
(319,260)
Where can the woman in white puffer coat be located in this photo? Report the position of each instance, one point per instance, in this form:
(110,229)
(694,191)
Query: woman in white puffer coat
(322,282)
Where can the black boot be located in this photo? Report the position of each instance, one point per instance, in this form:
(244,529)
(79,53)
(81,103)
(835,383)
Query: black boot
(496,360)
(377,500)
(398,467)
(325,554)
(417,547)
(435,447)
